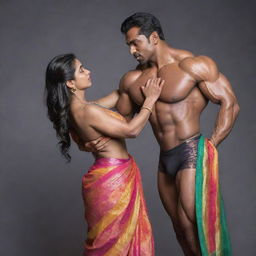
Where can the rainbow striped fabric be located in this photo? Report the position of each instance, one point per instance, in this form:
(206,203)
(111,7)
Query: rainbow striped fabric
(211,220)
(115,210)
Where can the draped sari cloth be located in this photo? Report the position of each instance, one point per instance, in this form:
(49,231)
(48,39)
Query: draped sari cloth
(115,210)
(211,220)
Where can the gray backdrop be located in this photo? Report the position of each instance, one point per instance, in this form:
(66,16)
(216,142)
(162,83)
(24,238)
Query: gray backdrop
(41,206)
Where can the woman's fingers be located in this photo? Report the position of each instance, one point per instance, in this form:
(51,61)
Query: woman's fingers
(153,86)
(161,84)
(103,143)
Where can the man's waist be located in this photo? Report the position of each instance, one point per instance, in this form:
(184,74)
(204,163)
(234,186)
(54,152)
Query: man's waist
(168,141)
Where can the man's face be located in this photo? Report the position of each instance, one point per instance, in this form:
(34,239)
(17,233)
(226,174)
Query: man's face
(141,47)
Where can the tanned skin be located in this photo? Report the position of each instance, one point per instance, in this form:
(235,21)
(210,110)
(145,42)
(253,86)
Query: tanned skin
(90,121)
(190,83)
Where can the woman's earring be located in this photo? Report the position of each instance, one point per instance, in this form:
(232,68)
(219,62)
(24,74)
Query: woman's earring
(73,90)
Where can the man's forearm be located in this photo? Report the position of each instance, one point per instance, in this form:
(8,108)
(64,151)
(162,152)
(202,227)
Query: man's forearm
(225,121)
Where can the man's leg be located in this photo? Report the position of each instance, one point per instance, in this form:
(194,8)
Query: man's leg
(169,196)
(185,182)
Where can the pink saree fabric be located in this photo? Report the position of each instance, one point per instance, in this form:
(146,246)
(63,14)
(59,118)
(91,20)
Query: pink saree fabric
(115,210)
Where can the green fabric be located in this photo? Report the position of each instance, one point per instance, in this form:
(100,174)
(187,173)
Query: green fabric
(225,241)
(199,195)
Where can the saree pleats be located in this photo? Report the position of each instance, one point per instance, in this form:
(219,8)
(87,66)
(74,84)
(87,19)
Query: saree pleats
(211,220)
(115,210)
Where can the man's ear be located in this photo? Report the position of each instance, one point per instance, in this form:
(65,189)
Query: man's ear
(154,37)
(70,84)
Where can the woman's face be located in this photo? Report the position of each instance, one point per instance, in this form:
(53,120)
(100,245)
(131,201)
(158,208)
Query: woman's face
(82,78)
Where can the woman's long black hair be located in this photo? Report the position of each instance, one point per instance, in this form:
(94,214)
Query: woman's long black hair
(58,72)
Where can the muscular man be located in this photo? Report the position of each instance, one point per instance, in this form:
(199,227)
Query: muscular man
(190,82)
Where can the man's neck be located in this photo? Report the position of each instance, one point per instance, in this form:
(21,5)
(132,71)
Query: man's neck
(164,55)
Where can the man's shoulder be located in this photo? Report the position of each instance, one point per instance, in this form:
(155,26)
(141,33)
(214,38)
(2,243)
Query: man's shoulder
(180,55)
(129,78)
(200,67)
(200,59)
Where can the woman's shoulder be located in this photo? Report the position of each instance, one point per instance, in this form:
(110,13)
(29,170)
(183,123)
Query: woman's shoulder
(98,111)
(91,109)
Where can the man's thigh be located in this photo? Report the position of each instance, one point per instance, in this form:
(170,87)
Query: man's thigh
(185,180)
(168,194)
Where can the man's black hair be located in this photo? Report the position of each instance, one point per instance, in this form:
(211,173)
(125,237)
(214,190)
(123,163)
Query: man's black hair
(147,23)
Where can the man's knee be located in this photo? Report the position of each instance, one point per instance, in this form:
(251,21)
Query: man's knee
(179,231)
(187,214)
(191,217)
(186,234)
(185,227)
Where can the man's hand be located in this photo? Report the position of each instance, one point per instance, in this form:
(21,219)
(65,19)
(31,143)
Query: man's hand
(213,142)
(96,145)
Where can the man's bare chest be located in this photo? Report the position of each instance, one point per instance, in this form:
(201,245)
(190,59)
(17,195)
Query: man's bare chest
(177,86)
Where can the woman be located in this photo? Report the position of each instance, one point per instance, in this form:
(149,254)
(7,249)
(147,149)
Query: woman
(112,191)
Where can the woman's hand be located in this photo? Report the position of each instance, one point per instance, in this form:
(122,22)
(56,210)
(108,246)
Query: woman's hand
(97,145)
(153,88)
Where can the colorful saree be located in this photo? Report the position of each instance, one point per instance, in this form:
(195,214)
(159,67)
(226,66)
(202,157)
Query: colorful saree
(211,221)
(115,210)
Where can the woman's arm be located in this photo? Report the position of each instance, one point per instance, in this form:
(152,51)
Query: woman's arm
(108,101)
(113,127)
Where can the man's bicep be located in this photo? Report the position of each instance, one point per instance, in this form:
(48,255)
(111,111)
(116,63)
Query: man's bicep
(218,91)
(125,106)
